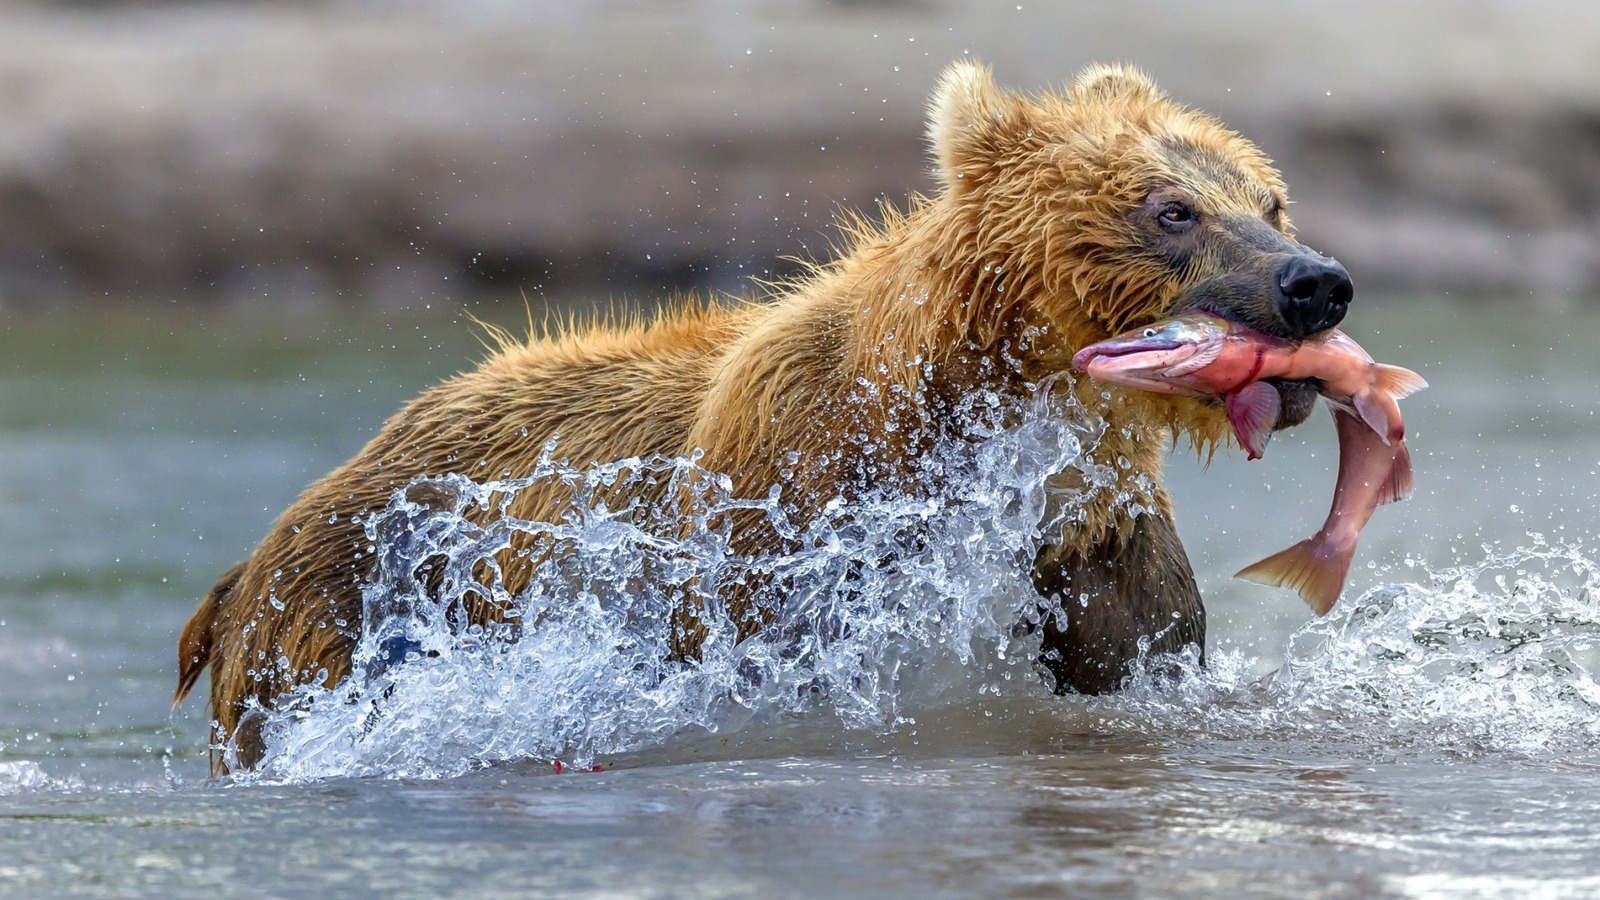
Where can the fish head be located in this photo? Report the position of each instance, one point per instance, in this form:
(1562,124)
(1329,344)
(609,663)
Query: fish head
(1164,357)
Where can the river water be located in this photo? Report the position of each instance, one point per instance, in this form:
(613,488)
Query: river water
(1436,735)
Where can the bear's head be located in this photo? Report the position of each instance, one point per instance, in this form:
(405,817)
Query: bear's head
(1112,206)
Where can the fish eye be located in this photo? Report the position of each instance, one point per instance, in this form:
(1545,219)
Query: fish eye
(1150,332)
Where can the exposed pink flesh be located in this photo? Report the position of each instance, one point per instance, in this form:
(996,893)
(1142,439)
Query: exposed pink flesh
(1224,358)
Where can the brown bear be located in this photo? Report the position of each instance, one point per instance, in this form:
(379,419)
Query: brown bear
(1059,220)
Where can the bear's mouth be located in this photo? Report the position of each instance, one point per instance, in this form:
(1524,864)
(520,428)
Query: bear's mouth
(1297,398)
(1266,325)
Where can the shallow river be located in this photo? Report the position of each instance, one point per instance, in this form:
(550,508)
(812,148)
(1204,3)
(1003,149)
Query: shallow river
(1436,735)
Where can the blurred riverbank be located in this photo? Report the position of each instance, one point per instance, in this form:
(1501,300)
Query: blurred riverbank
(405,154)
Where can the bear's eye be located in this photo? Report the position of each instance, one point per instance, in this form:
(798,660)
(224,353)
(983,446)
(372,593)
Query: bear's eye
(1175,215)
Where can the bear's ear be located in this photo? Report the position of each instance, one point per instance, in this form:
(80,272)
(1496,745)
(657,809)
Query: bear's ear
(1104,83)
(970,122)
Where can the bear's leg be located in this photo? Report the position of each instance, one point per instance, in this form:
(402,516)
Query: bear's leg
(1136,584)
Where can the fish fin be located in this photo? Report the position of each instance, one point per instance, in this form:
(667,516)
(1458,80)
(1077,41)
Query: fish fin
(1316,577)
(1336,406)
(1395,381)
(1205,354)
(1371,410)
(1377,406)
(1399,485)
(1253,411)
(1353,431)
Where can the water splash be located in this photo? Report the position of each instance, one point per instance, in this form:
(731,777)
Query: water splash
(22,776)
(1495,657)
(892,604)
(888,602)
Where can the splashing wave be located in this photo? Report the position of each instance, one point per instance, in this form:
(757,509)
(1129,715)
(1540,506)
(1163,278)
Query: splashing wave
(1494,657)
(21,776)
(889,601)
(892,605)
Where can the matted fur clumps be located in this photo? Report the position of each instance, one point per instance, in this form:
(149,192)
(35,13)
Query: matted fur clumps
(1034,245)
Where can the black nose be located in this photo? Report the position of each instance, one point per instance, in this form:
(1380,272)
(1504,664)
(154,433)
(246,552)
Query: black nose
(1313,293)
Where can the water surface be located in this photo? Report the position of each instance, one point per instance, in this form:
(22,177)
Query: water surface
(1435,735)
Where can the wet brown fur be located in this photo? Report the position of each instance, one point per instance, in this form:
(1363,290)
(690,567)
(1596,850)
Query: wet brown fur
(1030,250)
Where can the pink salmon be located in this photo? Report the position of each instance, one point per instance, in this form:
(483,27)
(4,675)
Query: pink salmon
(1371,473)
(1204,355)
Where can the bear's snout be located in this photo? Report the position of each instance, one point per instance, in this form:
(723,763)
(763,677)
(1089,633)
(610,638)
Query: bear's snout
(1314,293)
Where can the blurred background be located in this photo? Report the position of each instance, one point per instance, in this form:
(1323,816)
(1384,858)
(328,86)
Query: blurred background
(404,154)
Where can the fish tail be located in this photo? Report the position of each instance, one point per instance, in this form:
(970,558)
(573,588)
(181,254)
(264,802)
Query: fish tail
(1316,575)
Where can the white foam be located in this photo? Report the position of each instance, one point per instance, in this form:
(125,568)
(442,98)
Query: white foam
(21,776)
(888,602)
(1494,657)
